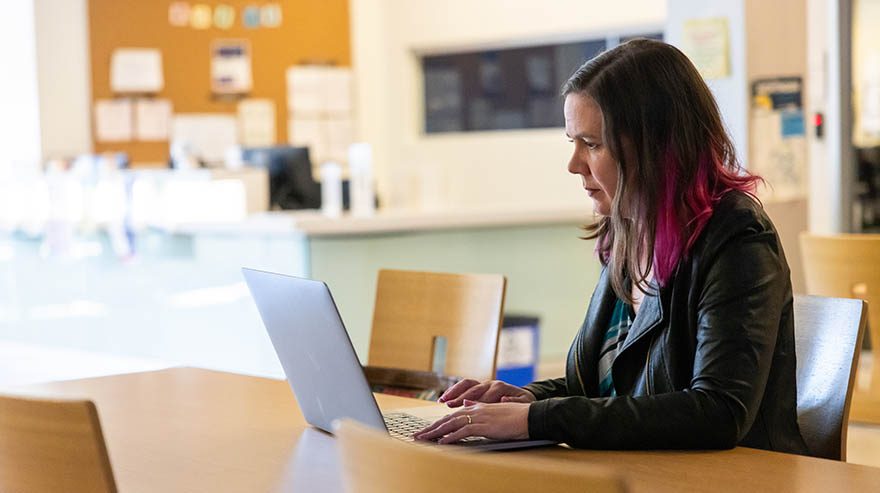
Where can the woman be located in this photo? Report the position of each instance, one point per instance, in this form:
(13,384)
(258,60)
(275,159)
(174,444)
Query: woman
(688,341)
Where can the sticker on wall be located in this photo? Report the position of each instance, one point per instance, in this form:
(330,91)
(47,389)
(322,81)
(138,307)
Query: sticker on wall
(224,16)
(231,67)
(178,14)
(270,15)
(200,16)
(250,17)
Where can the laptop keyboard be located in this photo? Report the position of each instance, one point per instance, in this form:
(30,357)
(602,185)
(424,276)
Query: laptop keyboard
(402,426)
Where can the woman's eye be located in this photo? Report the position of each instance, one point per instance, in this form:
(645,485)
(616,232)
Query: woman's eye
(592,145)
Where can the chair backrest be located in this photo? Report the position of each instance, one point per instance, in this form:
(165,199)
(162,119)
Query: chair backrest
(412,308)
(52,445)
(845,266)
(828,337)
(374,462)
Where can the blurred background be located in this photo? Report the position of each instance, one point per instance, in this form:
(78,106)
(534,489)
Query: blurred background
(149,150)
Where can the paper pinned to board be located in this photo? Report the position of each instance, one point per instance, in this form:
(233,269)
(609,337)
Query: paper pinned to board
(317,90)
(256,122)
(136,70)
(311,133)
(231,67)
(207,136)
(340,136)
(337,91)
(113,120)
(305,95)
(152,119)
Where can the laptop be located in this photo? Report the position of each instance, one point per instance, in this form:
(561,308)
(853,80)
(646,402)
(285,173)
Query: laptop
(322,367)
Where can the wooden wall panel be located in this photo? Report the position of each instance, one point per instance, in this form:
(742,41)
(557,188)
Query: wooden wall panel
(311,31)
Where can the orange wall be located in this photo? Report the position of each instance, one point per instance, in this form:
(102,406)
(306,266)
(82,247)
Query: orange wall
(311,31)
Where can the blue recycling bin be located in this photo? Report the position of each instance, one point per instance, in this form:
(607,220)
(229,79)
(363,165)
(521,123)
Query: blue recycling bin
(518,349)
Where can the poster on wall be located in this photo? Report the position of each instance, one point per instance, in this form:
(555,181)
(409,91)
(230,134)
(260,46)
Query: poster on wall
(778,130)
(136,70)
(152,119)
(256,122)
(113,120)
(706,42)
(231,67)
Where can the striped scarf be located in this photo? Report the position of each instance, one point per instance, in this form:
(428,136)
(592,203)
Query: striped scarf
(618,327)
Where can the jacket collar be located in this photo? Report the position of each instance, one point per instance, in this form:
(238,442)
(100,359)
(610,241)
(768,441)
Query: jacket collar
(649,316)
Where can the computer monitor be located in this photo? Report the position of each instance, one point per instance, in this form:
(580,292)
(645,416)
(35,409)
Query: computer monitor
(291,185)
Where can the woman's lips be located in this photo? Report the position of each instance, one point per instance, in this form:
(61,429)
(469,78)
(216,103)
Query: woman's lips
(592,191)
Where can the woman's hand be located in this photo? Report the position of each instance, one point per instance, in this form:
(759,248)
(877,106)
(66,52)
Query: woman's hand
(490,391)
(501,421)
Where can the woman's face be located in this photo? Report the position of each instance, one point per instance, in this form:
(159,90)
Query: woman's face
(591,157)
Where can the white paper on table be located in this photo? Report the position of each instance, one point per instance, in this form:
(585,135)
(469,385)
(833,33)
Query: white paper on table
(206,135)
(305,91)
(113,120)
(311,133)
(152,119)
(136,70)
(340,135)
(256,122)
(337,91)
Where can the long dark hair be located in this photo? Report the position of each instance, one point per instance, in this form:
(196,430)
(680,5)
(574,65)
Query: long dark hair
(652,97)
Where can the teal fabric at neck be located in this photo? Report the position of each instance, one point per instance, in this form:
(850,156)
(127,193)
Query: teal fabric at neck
(618,327)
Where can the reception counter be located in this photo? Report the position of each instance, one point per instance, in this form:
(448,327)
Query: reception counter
(180,298)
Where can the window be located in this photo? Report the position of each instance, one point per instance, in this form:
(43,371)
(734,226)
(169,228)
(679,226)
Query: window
(503,89)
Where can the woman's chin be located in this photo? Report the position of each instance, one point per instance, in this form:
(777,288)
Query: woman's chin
(601,209)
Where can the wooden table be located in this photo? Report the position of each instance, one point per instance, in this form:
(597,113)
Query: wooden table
(193,430)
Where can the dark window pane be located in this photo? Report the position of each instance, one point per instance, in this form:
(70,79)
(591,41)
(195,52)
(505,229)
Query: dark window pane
(503,89)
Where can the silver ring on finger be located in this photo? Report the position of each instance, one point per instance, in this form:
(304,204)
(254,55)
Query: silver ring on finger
(470,421)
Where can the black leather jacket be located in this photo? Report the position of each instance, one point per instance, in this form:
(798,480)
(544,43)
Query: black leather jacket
(709,361)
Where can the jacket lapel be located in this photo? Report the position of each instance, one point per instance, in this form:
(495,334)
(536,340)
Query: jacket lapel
(649,316)
(592,332)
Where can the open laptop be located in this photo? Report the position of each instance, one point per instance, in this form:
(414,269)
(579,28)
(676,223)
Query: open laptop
(321,365)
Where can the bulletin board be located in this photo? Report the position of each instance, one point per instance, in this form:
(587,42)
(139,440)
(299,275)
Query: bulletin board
(310,32)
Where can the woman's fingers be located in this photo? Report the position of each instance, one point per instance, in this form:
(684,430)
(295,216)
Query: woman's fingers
(433,426)
(457,389)
(461,433)
(442,427)
(474,394)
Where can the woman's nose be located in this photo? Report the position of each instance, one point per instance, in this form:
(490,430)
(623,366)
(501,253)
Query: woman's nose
(577,166)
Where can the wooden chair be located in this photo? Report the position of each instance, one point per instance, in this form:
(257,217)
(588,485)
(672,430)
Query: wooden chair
(847,266)
(828,338)
(52,445)
(374,462)
(414,308)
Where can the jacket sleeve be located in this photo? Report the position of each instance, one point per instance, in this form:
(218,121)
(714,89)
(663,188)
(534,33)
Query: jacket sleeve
(546,389)
(738,316)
